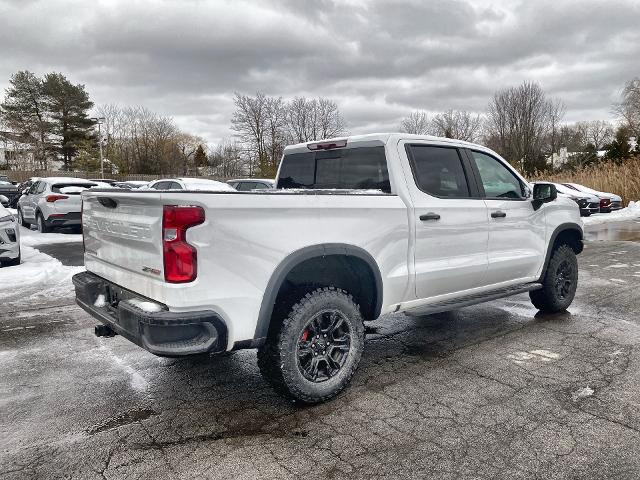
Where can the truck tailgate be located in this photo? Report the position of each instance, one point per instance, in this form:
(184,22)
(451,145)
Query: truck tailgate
(123,230)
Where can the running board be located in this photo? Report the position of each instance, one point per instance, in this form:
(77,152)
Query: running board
(454,304)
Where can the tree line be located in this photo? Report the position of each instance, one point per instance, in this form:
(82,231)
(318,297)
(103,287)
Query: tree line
(52,117)
(525,126)
(47,119)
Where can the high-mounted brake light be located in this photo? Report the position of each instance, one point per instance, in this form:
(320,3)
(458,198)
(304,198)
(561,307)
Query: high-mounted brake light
(180,258)
(328,145)
(55,198)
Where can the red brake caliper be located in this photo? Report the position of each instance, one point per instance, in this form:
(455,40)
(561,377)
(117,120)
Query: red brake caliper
(305,335)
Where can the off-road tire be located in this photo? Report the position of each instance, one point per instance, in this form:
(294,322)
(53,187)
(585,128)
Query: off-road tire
(278,358)
(41,224)
(560,282)
(22,221)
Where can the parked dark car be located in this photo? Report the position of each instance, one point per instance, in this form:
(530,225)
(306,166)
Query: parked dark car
(8,189)
(22,189)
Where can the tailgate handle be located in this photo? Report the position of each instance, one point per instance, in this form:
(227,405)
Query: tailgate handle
(107,202)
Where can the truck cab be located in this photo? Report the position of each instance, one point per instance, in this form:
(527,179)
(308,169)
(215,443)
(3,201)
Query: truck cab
(356,227)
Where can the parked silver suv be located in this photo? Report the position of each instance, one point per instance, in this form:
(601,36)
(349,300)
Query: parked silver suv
(53,202)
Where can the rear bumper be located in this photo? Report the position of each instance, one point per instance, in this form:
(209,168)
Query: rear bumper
(71,219)
(163,333)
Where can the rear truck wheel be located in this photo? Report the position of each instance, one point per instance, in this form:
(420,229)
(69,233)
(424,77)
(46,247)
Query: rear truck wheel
(311,355)
(21,219)
(560,282)
(42,226)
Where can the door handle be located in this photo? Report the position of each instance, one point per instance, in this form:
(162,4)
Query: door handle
(429,216)
(498,214)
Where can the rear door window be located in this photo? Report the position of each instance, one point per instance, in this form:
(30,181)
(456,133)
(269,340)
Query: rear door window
(245,186)
(345,168)
(161,186)
(438,171)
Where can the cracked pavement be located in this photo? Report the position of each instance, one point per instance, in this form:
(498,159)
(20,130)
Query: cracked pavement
(490,391)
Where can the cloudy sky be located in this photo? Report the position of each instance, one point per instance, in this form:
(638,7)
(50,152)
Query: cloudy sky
(377,59)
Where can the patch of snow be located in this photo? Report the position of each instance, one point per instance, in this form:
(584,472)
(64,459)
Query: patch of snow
(12,211)
(148,307)
(38,276)
(618,265)
(100,301)
(632,211)
(545,354)
(617,280)
(71,190)
(582,393)
(31,238)
(323,191)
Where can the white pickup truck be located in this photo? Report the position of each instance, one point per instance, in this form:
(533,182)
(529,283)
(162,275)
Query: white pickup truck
(357,227)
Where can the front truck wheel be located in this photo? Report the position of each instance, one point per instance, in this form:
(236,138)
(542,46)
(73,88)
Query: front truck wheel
(559,283)
(313,353)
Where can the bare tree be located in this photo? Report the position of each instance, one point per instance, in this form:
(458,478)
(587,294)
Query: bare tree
(457,124)
(250,122)
(417,122)
(629,107)
(227,160)
(520,121)
(313,119)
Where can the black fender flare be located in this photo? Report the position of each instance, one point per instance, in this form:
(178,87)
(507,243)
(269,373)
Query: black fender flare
(563,227)
(290,262)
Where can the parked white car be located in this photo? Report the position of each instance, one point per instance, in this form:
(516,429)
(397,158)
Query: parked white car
(9,239)
(53,202)
(369,225)
(190,184)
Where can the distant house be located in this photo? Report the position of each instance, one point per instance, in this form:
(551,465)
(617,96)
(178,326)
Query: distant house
(15,152)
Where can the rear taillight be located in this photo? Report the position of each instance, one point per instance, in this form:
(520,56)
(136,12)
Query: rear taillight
(55,198)
(180,258)
(604,202)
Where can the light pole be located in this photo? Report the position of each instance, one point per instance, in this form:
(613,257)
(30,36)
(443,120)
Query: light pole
(100,121)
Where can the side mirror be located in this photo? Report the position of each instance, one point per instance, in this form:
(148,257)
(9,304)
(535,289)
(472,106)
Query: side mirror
(4,201)
(543,193)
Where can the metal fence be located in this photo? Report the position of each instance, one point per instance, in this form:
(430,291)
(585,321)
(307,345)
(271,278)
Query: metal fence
(23,175)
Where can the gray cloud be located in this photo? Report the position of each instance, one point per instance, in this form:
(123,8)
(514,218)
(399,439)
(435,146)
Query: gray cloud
(379,60)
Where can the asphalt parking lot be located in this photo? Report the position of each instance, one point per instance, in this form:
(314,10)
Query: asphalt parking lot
(489,391)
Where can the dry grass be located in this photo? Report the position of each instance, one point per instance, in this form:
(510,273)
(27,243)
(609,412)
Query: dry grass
(623,180)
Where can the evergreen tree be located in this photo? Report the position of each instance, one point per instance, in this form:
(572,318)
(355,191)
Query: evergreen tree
(68,106)
(200,158)
(619,149)
(24,111)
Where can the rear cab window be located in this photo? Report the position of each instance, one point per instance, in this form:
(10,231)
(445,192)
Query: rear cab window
(359,168)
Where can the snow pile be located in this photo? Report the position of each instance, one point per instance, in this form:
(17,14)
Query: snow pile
(631,212)
(38,276)
(31,238)
(148,307)
(100,301)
